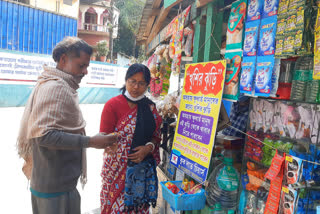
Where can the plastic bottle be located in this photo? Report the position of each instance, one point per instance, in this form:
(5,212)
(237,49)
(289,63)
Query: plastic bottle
(218,209)
(230,212)
(301,78)
(223,185)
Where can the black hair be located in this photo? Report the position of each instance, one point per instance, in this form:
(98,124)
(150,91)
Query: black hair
(137,68)
(72,47)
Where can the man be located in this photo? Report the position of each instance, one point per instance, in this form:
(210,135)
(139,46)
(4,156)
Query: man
(238,117)
(52,136)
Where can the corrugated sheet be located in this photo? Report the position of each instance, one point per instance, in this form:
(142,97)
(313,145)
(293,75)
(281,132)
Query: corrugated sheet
(31,30)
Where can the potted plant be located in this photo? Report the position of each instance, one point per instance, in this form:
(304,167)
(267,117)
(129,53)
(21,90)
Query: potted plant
(102,50)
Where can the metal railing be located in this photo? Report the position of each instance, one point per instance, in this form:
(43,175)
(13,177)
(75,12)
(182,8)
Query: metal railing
(95,27)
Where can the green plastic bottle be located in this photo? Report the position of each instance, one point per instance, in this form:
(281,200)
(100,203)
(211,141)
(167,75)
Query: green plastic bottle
(218,209)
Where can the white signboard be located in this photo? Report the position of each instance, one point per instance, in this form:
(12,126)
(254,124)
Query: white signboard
(19,68)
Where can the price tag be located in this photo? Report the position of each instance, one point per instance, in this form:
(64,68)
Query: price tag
(289,158)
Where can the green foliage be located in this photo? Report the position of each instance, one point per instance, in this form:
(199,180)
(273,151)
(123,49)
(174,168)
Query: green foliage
(102,48)
(129,21)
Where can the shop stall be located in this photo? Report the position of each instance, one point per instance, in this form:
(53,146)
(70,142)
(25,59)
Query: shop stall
(264,51)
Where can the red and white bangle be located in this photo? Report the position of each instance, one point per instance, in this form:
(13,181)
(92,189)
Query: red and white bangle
(150,143)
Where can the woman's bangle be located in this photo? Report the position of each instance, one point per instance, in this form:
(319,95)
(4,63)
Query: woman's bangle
(150,143)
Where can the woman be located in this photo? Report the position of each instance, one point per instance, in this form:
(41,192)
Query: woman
(129,179)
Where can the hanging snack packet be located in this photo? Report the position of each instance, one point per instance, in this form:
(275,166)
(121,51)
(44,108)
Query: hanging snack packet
(263,80)
(289,44)
(317,44)
(291,21)
(248,68)
(289,198)
(279,46)
(316,67)
(293,169)
(300,16)
(267,36)
(255,8)
(251,38)
(235,25)
(298,39)
(275,77)
(294,4)
(270,8)
(231,87)
(281,25)
(317,27)
(283,6)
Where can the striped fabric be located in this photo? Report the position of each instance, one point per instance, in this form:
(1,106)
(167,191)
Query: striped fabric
(53,105)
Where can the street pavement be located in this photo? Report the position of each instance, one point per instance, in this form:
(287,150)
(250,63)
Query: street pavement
(15,196)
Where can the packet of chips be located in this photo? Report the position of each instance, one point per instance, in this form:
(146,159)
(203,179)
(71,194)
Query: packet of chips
(255,8)
(279,46)
(289,44)
(248,68)
(281,25)
(251,38)
(263,81)
(267,36)
(291,21)
(270,8)
(317,27)
(283,7)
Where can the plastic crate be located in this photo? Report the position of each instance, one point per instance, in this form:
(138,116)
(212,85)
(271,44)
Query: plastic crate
(183,202)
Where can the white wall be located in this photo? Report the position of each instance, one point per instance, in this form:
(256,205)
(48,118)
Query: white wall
(51,5)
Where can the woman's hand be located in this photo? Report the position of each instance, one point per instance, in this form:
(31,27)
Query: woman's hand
(140,153)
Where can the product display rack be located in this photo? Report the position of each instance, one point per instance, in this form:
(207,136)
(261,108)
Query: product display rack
(295,134)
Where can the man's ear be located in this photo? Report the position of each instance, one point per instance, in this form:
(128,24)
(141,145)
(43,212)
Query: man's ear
(63,59)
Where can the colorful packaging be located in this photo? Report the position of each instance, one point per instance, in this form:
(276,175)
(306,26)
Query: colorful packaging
(279,46)
(235,25)
(294,4)
(317,44)
(317,27)
(293,169)
(251,38)
(267,36)
(283,6)
(248,68)
(316,68)
(281,26)
(270,8)
(289,198)
(275,77)
(255,8)
(291,21)
(298,39)
(289,44)
(263,82)
(231,88)
(300,16)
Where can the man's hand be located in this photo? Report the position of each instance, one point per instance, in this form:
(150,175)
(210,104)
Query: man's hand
(140,153)
(103,141)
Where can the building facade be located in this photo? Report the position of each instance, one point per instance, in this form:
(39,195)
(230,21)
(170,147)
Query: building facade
(94,21)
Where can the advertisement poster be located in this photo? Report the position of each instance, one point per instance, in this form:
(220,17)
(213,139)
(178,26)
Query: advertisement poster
(198,117)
